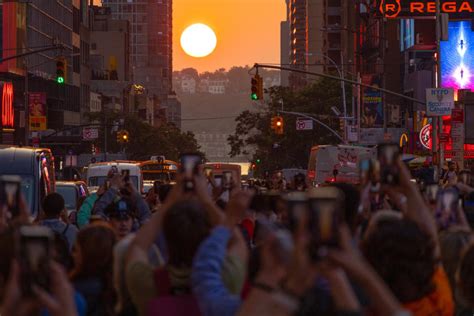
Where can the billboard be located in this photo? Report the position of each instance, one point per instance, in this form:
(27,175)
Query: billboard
(37,111)
(372,103)
(457,57)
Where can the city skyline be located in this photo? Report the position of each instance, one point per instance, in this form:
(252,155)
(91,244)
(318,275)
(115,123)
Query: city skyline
(232,21)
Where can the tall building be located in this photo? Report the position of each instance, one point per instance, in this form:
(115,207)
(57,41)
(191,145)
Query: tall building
(27,27)
(150,41)
(285,46)
(110,58)
(321,36)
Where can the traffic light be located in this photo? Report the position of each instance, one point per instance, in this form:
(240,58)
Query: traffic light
(60,70)
(277,125)
(123,136)
(342,124)
(257,88)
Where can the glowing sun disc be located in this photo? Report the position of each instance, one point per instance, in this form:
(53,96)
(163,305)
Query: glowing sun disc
(198,40)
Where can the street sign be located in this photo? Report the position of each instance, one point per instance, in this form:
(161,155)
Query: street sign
(304,124)
(90,133)
(439,102)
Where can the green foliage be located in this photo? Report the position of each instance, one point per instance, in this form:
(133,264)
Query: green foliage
(145,140)
(292,148)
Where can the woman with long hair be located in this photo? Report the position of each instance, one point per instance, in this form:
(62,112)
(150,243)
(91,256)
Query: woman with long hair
(92,274)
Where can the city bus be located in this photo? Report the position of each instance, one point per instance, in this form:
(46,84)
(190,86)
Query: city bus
(159,170)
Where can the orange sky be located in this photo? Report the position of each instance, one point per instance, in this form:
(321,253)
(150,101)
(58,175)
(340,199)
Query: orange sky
(248,31)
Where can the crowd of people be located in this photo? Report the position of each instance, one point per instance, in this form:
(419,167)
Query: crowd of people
(396,248)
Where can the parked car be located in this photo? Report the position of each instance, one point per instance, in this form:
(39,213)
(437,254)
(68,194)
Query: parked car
(72,192)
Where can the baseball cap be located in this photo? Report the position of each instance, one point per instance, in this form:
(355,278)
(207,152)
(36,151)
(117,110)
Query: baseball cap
(120,210)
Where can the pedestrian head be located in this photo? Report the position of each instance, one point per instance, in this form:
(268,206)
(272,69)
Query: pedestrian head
(452,243)
(403,255)
(121,217)
(185,225)
(53,205)
(93,251)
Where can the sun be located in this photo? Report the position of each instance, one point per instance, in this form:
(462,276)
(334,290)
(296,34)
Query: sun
(198,40)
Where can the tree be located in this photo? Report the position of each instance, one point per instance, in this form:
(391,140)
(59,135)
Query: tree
(292,148)
(145,140)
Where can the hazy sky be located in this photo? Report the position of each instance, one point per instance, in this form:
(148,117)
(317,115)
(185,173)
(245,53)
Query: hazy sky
(248,31)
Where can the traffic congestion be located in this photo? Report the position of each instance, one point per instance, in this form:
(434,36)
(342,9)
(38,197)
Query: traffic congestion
(189,237)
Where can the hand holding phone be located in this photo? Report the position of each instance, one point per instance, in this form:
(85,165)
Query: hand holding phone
(190,168)
(10,194)
(388,155)
(325,215)
(34,257)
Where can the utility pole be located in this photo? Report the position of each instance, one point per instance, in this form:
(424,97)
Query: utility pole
(27,106)
(343,85)
(437,124)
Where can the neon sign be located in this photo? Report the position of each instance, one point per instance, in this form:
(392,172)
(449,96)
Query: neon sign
(413,8)
(425,136)
(8,115)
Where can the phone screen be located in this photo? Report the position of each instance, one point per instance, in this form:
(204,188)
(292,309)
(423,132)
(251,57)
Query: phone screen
(34,258)
(325,205)
(227,180)
(208,172)
(190,168)
(446,208)
(298,208)
(126,175)
(387,156)
(10,194)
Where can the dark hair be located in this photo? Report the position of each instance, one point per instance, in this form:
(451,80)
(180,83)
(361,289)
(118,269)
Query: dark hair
(185,225)
(53,204)
(163,191)
(452,243)
(403,255)
(466,275)
(96,243)
(351,203)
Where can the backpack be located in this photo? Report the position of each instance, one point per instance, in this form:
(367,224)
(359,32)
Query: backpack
(172,301)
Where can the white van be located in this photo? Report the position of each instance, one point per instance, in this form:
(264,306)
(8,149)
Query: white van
(327,160)
(97,174)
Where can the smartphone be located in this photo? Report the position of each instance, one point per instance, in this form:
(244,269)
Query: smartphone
(208,172)
(325,215)
(107,184)
(126,175)
(387,155)
(189,168)
(298,209)
(446,208)
(227,180)
(34,257)
(10,194)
